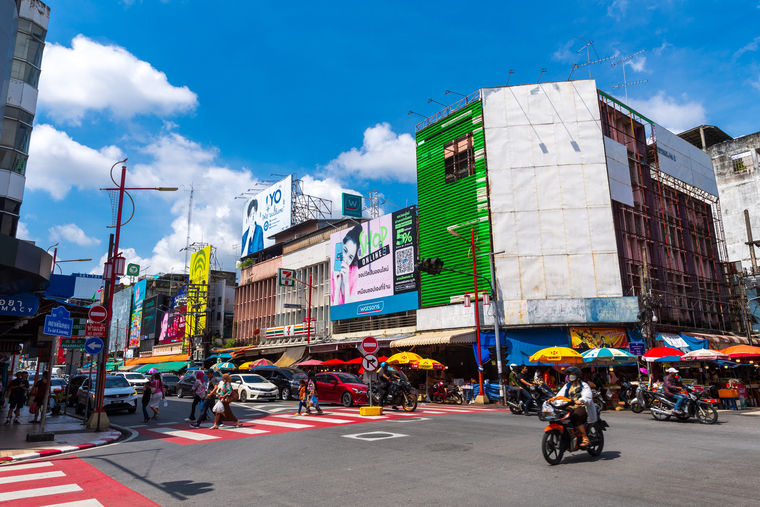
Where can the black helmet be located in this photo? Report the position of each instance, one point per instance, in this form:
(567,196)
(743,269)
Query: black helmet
(573,370)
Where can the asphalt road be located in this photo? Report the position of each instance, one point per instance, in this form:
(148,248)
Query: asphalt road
(463,459)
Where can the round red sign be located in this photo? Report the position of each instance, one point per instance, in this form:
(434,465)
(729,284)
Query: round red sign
(98,314)
(370,345)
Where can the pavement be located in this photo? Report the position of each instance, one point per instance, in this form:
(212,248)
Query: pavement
(443,455)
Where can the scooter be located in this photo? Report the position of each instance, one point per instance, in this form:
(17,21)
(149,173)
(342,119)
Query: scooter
(442,395)
(643,400)
(539,393)
(697,405)
(560,436)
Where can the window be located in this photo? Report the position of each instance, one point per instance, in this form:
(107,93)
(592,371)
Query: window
(743,162)
(28,49)
(25,72)
(15,135)
(458,158)
(25,25)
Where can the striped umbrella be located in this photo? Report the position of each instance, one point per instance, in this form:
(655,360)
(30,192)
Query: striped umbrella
(224,366)
(704,355)
(607,356)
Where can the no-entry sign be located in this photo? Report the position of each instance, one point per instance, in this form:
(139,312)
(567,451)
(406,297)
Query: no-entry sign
(369,346)
(369,363)
(93,329)
(98,314)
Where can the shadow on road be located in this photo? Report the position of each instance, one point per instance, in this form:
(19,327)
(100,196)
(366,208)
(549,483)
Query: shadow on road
(579,458)
(187,488)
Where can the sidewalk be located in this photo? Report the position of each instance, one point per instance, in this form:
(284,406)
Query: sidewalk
(70,435)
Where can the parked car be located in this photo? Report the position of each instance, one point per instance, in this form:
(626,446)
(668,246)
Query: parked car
(73,388)
(286,379)
(117,395)
(251,386)
(57,384)
(170,381)
(339,387)
(136,380)
(185,385)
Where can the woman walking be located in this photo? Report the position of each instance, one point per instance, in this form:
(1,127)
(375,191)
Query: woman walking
(226,395)
(302,403)
(157,388)
(199,393)
(311,388)
(38,394)
(146,402)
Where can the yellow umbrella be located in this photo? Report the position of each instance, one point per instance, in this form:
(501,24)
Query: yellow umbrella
(556,355)
(246,366)
(404,358)
(427,364)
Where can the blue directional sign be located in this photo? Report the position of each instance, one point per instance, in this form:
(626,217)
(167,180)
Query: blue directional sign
(637,348)
(93,345)
(58,323)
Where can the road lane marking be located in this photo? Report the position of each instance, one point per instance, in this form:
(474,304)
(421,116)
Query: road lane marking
(34,493)
(190,435)
(79,503)
(26,467)
(31,477)
(316,418)
(282,424)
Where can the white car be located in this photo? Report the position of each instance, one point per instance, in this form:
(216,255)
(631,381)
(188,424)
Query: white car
(136,380)
(254,387)
(117,395)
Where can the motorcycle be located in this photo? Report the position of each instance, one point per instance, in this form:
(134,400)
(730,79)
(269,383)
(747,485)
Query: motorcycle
(539,394)
(643,400)
(442,395)
(697,405)
(560,436)
(399,393)
(598,399)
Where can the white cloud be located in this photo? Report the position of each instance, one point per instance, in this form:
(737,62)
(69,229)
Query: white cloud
(638,64)
(752,46)
(22,232)
(665,45)
(671,114)
(617,9)
(384,155)
(57,163)
(91,76)
(72,233)
(563,53)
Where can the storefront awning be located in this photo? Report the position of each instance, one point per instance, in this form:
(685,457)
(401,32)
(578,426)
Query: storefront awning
(290,356)
(162,367)
(720,341)
(155,359)
(453,337)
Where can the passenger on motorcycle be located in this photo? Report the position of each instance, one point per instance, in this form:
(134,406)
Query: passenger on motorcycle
(672,387)
(583,409)
(523,381)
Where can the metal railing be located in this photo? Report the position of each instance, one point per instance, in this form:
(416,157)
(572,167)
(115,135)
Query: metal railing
(446,112)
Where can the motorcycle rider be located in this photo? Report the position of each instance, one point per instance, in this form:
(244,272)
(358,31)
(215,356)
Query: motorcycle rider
(583,409)
(672,387)
(385,375)
(523,380)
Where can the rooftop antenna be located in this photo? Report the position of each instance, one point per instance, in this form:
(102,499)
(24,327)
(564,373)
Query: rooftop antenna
(539,76)
(589,63)
(431,100)
(625,84)
(189,220)
(418,114)
(509,76)
(375,201)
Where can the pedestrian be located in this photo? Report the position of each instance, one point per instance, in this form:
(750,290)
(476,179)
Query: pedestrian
(16,394)
(311,389)
(145,402)
(226,396)
(38,394)
(157,389)
(302,397)
(199,393)
(210,400)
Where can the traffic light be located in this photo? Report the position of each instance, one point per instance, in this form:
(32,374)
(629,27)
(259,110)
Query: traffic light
(432,265)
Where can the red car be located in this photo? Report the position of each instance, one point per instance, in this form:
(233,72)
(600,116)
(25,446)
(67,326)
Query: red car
(339,387)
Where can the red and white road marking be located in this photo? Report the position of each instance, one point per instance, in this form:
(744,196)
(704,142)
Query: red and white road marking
(63,482)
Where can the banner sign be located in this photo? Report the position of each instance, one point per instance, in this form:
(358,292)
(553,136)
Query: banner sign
(352,205)
(139,297)
(266,214)
(72,343)
(373,267)
(200,266)
(585,338)
(23,305)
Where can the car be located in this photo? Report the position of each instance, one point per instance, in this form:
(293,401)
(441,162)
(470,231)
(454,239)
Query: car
(185,385)
(340,387)
(57,384)
(251,386)
(117,395)
(136,380)
(170,381)
(286,379)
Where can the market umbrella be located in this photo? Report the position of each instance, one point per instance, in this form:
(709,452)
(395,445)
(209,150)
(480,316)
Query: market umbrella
(356,360)
(310,362)
(334,362)
(152,371)
(246,366)
(662,353)
(556,355)
(261,362)
(704,355)
(742,351)
(224,366)
(607,356)
(404,358)
(426,364)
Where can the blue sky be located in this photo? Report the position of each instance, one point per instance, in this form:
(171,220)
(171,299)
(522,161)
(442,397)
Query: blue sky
(225,94)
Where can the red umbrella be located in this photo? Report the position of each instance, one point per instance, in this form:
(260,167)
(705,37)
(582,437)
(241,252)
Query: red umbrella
(356,360)
(310,362)
(333,362)
(659,352)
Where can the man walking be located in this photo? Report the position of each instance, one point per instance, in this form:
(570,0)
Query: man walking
(16,393)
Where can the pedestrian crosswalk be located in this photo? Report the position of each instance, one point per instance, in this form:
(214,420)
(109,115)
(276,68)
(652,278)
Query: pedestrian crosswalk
(273,423)
(63,482)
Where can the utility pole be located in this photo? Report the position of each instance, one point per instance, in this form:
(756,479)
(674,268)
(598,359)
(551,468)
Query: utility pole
(495,302)
(750,242)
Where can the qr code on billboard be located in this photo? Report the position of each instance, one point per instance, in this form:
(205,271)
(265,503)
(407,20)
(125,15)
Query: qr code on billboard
(405,261)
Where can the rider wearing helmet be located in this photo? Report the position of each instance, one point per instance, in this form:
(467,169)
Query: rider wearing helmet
(583,409)
(385,378)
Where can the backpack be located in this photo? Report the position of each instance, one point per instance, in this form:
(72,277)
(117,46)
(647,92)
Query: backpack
(200,390)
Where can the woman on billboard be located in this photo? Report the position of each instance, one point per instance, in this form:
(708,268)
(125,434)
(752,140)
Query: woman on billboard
(253,237)
(345,270)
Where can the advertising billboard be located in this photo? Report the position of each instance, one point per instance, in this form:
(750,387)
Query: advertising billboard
(200,266)
(373,267)
(139,297)
(172,325)
(265,214)
(586,338)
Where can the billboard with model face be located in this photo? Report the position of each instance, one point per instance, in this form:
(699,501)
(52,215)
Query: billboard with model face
(139,297)
(373,267)
(266,214)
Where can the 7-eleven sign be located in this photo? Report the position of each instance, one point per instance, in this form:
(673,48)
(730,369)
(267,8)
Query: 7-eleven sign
(285,277)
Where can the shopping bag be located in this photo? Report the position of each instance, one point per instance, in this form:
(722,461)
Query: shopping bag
(218,408)
(166,403)
(32,407)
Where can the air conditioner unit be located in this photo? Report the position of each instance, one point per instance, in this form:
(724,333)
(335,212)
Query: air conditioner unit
(197,355)
(321,328)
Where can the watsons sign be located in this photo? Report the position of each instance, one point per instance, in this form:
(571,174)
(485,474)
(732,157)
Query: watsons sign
(370,308)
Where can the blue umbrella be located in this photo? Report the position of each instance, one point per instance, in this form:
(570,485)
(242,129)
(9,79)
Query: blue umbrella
(607,356)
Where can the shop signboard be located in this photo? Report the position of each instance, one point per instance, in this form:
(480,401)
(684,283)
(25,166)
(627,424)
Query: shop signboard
(637,348)
(72,343)
(266,214)
(22,305)
(585,338)
(373,267)
(352,205)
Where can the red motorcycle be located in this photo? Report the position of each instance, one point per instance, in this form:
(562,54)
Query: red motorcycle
(442,395)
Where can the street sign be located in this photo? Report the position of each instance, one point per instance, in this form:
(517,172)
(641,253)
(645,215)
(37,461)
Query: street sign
(637,348)
(72,343)
(133,269)
(369,346)
(58,322)
(370,363)
(94,329)
(93,345)
(352,205)
(292,305)
(98,314)
(285,277)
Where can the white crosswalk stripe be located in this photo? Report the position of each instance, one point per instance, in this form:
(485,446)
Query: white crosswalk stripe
(243,430)
(37,492)
(317,418)
(282,424)
(79,503)
(26,466)
(31,477)
(190,435)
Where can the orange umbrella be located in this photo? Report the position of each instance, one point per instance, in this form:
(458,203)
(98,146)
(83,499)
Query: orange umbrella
(742,351)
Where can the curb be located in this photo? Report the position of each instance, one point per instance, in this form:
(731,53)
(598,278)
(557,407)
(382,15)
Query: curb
(44,453)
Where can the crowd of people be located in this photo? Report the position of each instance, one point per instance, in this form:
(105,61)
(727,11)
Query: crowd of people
(20,394)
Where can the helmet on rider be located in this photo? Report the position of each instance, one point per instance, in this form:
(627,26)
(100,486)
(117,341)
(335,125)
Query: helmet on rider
(573,370)
(383,365)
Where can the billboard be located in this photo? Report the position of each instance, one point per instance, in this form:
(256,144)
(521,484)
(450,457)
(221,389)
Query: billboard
(585,338)
(373,267)
(200,266)
(172,325)
(139,297)
(266,214)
